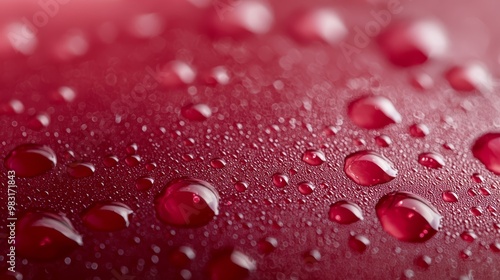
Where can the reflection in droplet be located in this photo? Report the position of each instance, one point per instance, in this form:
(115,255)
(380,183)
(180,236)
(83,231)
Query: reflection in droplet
(368,168)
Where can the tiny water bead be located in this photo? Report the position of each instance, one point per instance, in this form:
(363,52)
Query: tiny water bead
(368,168)
(107,216)
(408,217)
(29,160)
(419,130)
(431,160)
(469,77)
(373,112)
(358,243)
(267,245)
(196,112)
(318,25)
(345,212)
(187,202)
(450,196)
(80,169)
(241,186)
(231,264)
(280,180)
(144,183)
(218,163)
(181,256)
(306,188)
(486,149)
(46,236)
(313,157)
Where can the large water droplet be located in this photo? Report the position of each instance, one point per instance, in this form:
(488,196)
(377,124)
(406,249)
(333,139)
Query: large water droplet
(109,216)
(408,217)
(218,163)
(373,112)
(80,169)
(321,24)
(46,236)
(344,212)
(431,160)
(469,77)
(368,168)
(487,149)
(187,202)
(30,160)
(231,264)
(313,157)
(196,112)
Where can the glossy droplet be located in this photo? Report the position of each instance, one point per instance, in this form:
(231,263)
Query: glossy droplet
(267,245)
(63,95)
(46,236)
(477,178)
(368,168)
(383,141)
(469,77)
(306,188)
(422,81)
(408,217)
(311,257)
(476,210)
(80,169)
(487,150)
(196,112)
(109,216)
(151,166)
(468,236)
(373,112)
(30,160)
(318,25)
(13,107)
(110,161)
(465,254)
(175,74)
(133,160)
(419,130)
(412,43)
(423,261)
(218,163)
(231,264)
(182,256)
(450,196)
(241,186)
(484,191)
(344,212)
(132,149)
(431,160)
(280,180)
(217,76)
(313,157)
(187,202)
(495,247)
(359,243)
(472,192)
(144,183)
(39,121)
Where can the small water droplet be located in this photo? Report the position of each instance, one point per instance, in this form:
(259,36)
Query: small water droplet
(476,210)
(313,157)
(63,95)
(419,130)
(368,168)
(175,74)
(465,254)
(383,141)
(280,180)
(217,76)
(373,112)
(39,122)
(311,257)
(359,243)
(80,169)
(241,186)
(110,161)
(231,264)
(431,160)
(468,236)
(30,160)
(423,261)
(107,216)
(218,163)
(450,196)
(422,81)
(181,256)
(408,217)
(306,188)
(196,112)
(344,212)
(495,247)
(487,150)
(318,25)
(144,183)
(131,149)
(13,107)
(477,178)
(175,205)
(267,245)
(133,160)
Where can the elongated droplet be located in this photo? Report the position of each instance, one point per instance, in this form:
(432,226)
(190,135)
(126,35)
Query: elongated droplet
(31,160)
(318,25)
(80,169)
(431,160)
(313,157)
(373,112)
(344,212)
(108,216)
(196,112)
(231,264)
(368,168)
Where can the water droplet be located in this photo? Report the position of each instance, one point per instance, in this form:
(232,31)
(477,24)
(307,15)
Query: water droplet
(196,112)
(373,112)
(422,81)
(280,180)
(408,217)
(318,25)
(359,243)
(132,149)
(344,212)
(151,166)
(469,77)
(476,210)
(450,196)
(423,261)
(472,192)
(312,257)
(218,163)
(181,256)
(133,160)
(477,178)
(468,236)
(484,191)
(31,160)
(419,130)
(39,121)
(175,74)
(465,254)
(431,160)
(11,275)
(487,150)
(109,216)
(217,76)
(495,247)
(368,168)
(63,95)
(144,183)
(80,169)
(412,43)
(231,264)
(46,236)
(313,157)
(175,204)
(306,188)
(331,130)
(110,161)
(241,186)
(383,141)
(13,107)
(267,245)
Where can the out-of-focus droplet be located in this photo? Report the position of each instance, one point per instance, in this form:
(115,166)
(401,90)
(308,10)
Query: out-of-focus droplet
(408,217)
(423,261)
(80,169)
(368,168)
(181,256)
(373,112)
(107,216)
(267,245)
(422,81)
(12,107)
(231,264)
(39,121)
(313,157)
(30,160)
(175,73)
(419,130)
(146,25)
(63,95)
(431,160)
(358,243)
(217,76)
(487,150)
(383,141)
(469,77)
(196,112)
(344,212)
(468,236)
(318,25)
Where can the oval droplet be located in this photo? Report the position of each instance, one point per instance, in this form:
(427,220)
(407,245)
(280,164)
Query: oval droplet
(419,130)
(280,180)
(368,168)
(345,212)
(373,112)
(175,74)
(450,196)
(469,77)
(359,243)
(318,25)
(13,107)
(217,76)
(241,186)
(231,264)
(468,236)
(313,157)
(383,141)
(80,169)
(181,256)
(218,163)
(306,188)
(408,217)
(39,121)
(487,150)
(187,202)
(431,160)
(144,183)
(108,216)
(31,160)
(110,161)
(46,236)
(133,160)
(196,112)
(267,245)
